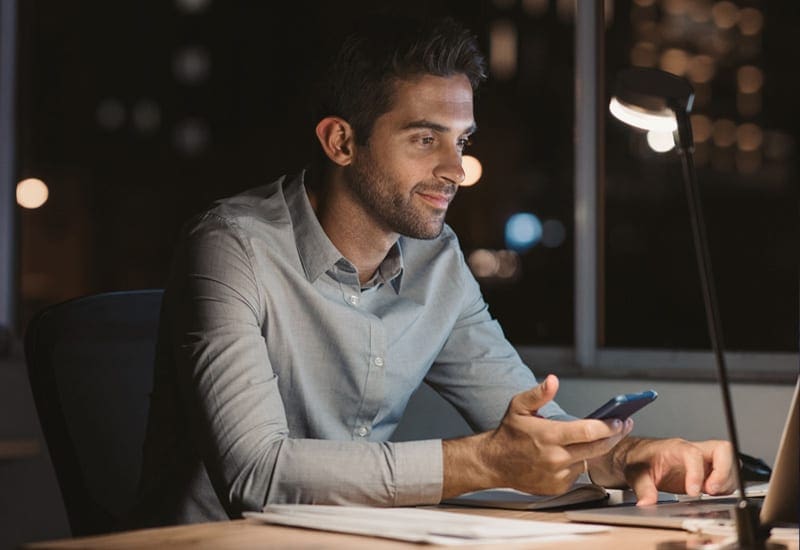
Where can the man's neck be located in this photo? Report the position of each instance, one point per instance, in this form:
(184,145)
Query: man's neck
(351,229)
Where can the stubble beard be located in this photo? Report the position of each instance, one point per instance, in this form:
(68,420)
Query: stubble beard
(378,194)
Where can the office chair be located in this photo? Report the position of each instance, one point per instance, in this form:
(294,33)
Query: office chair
(90,364)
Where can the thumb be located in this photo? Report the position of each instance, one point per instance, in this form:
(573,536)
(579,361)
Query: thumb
(535,398)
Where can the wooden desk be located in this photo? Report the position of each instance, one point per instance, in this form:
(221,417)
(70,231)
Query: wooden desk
(247,534)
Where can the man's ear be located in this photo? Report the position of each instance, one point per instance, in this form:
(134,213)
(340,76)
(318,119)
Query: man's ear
(336,138)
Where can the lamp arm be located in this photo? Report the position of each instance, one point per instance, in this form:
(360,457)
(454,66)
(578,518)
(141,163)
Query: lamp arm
(750,533)
(684,140)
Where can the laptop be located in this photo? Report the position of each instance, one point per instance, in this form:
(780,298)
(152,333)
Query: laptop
(778,508)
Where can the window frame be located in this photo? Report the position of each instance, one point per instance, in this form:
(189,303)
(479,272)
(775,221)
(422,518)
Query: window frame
(8,38)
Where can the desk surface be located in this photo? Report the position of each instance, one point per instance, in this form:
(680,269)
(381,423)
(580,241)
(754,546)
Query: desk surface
(246,534)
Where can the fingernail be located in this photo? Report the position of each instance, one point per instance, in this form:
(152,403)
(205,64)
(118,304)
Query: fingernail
(694,490)
(714,488)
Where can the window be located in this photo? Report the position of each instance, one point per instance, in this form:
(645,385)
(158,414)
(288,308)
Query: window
(746,158)
(132,136)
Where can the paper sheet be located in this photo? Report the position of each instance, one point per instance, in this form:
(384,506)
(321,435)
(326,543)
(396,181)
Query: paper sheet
(418,525)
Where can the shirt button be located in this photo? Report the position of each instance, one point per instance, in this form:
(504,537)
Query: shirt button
(379,361)
(362,431)
(353,299)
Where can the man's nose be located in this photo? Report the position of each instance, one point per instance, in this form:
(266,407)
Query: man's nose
(449,167)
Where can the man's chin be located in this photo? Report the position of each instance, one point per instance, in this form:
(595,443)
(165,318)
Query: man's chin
(424,234)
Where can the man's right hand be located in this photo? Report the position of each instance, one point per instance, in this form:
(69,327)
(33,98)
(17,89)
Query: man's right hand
(528,452)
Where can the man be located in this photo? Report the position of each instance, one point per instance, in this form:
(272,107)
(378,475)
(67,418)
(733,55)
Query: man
(300,317)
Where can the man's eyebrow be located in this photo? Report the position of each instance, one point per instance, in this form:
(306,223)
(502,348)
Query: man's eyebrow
(436,127)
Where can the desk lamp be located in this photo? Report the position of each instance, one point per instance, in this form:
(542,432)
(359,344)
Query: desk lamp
(655,100)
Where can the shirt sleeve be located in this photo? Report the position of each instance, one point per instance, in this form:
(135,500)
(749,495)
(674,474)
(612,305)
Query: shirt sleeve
(478,370)
(235,410)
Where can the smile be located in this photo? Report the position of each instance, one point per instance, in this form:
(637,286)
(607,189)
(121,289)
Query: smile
(439,201)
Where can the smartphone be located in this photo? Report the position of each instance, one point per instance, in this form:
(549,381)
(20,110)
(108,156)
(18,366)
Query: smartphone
(623,406)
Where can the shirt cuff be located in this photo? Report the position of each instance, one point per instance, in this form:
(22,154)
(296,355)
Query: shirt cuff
(419,472)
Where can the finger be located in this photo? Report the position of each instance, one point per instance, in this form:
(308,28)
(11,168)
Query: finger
(694,470)
(599,447)
(720,455)
(535,398)
(643,486)
(590,430)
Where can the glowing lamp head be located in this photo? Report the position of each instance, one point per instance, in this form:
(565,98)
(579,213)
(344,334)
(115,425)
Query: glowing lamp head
(651,99)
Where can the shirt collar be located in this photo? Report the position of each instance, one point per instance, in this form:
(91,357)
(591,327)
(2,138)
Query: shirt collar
(317,252)
(390,270)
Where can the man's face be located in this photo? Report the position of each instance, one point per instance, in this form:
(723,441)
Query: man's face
(410,169)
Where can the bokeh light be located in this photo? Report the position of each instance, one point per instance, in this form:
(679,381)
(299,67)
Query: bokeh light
(192,6)
(674,61)
(523,231)
(701,128)
(191,136)
(32,193)
(472,170)
(495,264)
(675,7)
(503,49)
(749,79)
(110,114)
(553,233)
(701,68)
(751,21)
(749,137)
(191,65)
(725,14)
(483,263)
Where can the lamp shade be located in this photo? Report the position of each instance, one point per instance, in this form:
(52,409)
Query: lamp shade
(656,121)
(650,98)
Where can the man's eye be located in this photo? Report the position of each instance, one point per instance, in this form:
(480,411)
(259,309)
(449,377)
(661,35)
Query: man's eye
(427,140)
(463,143)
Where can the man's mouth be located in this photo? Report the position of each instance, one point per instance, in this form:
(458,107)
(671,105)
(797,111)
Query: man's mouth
(439,200)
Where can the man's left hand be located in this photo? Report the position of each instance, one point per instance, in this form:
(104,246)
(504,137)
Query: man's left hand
(673,465)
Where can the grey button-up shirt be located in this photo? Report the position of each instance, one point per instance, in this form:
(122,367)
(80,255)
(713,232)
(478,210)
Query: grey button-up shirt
(280,379)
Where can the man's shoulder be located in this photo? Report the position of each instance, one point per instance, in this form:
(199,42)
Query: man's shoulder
(266,203)
(259,207)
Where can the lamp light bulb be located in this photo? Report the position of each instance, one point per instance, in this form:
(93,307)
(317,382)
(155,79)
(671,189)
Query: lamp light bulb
(660,142)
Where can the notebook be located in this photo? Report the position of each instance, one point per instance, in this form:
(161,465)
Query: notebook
(517,500)
(580,494)
(779,506)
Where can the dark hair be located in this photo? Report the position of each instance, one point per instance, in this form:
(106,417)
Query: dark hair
(359,83)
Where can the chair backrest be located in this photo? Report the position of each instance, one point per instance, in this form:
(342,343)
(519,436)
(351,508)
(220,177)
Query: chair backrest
(90,364)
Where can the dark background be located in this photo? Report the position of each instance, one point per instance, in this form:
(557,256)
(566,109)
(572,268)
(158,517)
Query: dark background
(120,186)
